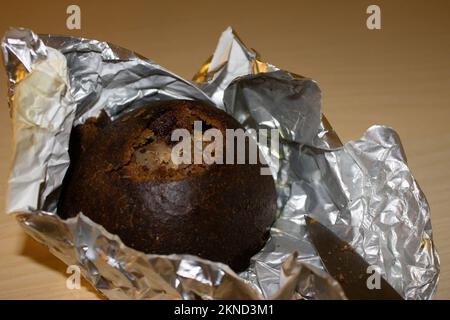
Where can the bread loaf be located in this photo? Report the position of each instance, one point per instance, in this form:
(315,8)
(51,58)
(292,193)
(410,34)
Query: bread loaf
(121,176)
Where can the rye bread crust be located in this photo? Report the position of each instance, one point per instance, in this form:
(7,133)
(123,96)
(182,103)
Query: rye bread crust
(120,177)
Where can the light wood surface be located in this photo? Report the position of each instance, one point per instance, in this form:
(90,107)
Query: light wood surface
(398,76)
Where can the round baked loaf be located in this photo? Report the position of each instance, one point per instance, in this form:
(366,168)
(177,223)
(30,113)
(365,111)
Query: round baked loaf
(121,176)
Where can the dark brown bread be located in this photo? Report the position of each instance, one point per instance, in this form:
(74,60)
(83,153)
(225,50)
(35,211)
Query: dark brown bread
(121,176)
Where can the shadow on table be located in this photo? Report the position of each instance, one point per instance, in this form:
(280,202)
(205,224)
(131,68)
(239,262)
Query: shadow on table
(40,254)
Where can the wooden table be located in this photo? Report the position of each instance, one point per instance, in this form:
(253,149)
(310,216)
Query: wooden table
(398,76)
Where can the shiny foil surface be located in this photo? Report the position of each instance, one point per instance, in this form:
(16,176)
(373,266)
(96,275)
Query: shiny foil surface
(362,190)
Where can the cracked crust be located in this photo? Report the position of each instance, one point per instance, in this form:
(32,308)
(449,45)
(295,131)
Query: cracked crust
(122,177)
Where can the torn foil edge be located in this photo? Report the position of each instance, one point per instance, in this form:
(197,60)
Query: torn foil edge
(363,191)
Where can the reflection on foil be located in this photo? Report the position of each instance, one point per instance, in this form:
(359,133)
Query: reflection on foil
(362,190)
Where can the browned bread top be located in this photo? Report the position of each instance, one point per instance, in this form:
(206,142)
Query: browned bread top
(122,177)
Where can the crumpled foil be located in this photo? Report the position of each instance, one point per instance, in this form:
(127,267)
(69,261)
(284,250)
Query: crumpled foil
(362,190)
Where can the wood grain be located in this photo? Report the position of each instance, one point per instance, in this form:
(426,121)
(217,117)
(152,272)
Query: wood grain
(398,76)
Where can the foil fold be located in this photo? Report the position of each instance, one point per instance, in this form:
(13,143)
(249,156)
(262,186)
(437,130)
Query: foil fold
(362,190)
